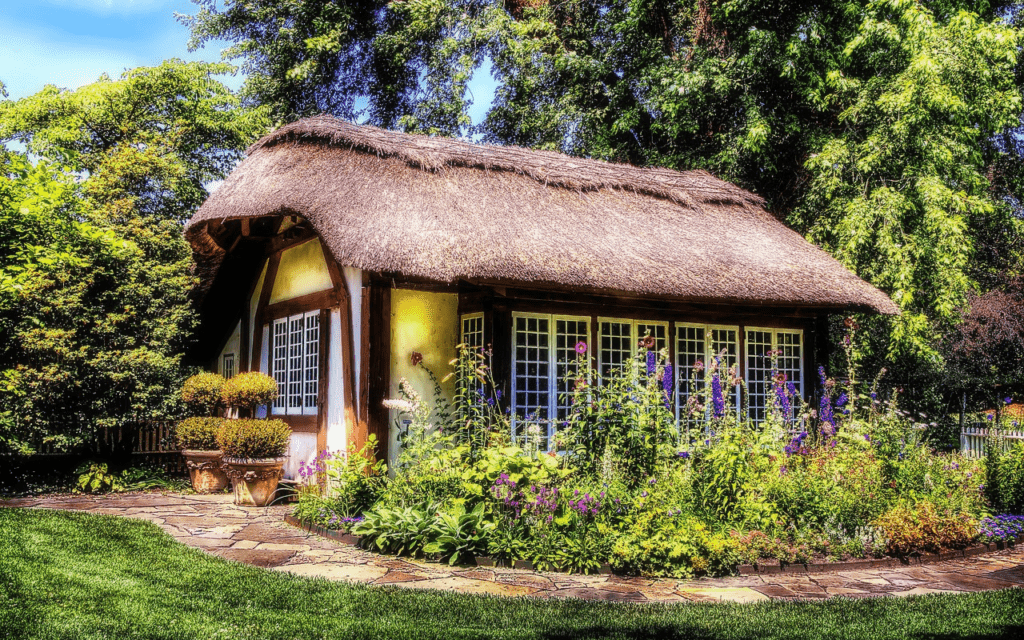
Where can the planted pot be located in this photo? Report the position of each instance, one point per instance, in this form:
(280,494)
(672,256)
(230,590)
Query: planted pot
(254,481)
(206,470)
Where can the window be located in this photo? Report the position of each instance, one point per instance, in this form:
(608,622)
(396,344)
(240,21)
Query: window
(705,343)
(543,354)
(790,362)
(619,340)
(473,330)
(295,363)
(227,368)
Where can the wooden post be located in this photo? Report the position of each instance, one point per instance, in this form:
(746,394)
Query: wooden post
(377,363)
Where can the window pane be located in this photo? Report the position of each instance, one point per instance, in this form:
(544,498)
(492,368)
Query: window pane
(228,367)
(473,331)
(568,333)
(758,372)
(295,353)
(724,343)
(532,383)
(658,330)
(690,347)
(279,364)
(617,347)
(790,362)
(312,360)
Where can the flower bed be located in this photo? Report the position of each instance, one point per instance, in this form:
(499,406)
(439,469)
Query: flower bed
(849,479)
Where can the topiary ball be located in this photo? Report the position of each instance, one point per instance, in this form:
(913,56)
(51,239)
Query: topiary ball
(249,390)
(253,439)
(198,434)
(202,392)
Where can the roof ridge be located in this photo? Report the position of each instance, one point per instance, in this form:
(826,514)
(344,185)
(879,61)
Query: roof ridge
(551,168)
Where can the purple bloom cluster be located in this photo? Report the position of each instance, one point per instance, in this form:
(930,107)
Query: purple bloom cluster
(796,445)
(652,363)
(315,466)
(717,399)
(540,501)
(1001,528)
(585,505)
(828,419)
(668,385)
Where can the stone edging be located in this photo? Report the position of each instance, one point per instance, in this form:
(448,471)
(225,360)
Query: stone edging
(743,569)
(877,563)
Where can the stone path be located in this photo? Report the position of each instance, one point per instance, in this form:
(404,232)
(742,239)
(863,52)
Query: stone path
(258,536)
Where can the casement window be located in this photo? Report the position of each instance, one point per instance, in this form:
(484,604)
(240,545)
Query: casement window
(758,342)
(295,363)
(473,330)
(227,367)
(543,354)
(704,343)
(619,340)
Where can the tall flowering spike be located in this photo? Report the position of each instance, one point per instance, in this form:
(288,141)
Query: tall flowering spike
(821,374)
(668,380)
(652,363)
(717,399)
(828,421)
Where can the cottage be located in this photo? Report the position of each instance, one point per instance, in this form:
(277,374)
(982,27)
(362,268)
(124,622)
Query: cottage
(335,251)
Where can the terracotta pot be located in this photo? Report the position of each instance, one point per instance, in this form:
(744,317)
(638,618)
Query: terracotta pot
(254,481)
(206,470)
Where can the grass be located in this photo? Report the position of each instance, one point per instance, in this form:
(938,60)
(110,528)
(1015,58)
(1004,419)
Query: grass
(71,575)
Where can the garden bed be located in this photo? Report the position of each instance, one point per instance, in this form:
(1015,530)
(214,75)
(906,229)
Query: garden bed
(743,569)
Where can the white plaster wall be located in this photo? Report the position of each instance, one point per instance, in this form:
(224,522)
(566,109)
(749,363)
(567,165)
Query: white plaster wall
(336,432)
(231,346)
(301,448)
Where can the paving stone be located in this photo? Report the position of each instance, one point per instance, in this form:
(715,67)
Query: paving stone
(775,591)
(275,546)
(973,583)
(592,593)
(259,558)
(346,573)
(919,591)
(392,577)
(725,594)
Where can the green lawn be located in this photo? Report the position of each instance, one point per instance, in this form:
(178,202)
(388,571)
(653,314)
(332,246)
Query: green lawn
(68,575)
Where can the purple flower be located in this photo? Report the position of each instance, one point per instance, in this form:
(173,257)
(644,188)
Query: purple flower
(668,381)
(684,454)
(717,400)
(841,400)
(581,347)
(1008,400)
(652,363)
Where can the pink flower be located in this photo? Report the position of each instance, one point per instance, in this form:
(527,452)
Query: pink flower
(581,347)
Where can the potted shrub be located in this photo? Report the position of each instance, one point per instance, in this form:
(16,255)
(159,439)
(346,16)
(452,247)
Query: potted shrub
(253,449)
(197,437)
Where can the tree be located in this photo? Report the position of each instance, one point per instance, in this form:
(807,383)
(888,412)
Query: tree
(887,131)
(95,274)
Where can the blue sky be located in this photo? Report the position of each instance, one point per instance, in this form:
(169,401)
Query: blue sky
(71,42)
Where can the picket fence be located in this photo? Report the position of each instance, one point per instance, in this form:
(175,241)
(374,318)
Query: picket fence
(973,439)
(154,443)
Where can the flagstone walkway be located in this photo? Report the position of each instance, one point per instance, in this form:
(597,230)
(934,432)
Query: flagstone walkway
(259,536)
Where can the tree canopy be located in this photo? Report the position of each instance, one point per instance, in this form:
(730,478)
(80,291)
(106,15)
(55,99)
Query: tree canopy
(887,131)
(95,274)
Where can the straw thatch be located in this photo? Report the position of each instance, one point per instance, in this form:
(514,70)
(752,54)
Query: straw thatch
(447,210)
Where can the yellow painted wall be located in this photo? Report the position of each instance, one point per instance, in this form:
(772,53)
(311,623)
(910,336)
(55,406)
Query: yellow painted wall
(427,323)
(302,270)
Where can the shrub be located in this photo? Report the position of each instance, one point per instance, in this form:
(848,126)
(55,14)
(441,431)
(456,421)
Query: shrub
(202,392)
(674,546)
(249,390)
(198,434)
(327,512)
(922,527)
(1009,482)
(253,439)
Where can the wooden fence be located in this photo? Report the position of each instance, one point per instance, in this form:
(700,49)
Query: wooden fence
(973,439)
(153,444)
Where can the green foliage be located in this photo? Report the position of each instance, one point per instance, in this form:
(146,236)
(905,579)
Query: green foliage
(198,434)
(674,546)
(202,392)
(94,269)
(923,527)
(249,390)
(459,535)
(1006,478)
(397,530)
(95,478)
(352,482)
(253,439)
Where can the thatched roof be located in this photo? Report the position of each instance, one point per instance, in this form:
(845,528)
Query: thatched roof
(447,210)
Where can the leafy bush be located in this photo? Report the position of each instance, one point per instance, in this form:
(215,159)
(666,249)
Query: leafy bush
(198,434)
(922,527)
(202,392)
(328,513)
(353,481)
(673,546)
(249,390)
(459,535)
(95,478)
(1007,479)
(253,439)
(398,530)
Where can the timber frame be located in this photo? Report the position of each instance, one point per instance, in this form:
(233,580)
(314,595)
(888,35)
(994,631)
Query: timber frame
(362,396)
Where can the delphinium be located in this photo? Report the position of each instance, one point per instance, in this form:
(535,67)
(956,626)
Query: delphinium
(1001,528)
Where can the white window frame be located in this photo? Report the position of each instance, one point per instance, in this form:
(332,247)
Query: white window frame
(462,328)
(775,332)
(709,353)
(634,337)
(552,407)
(282,406)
